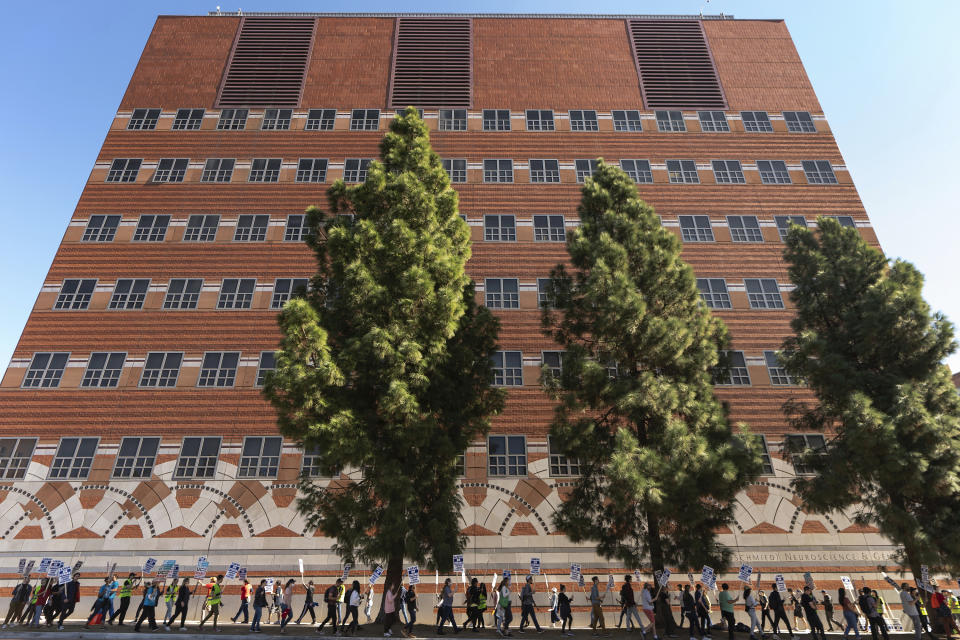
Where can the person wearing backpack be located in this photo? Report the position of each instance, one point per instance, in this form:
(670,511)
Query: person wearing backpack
(101,605)
(470,600)
(19,599)
(503,602)
(868,605)
(151,595)
(779,612)
(330,599)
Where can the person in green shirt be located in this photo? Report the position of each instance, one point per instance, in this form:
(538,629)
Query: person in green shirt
(727,600)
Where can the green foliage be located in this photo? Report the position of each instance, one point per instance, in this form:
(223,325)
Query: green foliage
(869,347)
(660,464)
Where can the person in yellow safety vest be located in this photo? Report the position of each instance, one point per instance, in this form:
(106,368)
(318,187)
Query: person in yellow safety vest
(125,591)
(341,594)
(214,591)
(169,598)
(954,607)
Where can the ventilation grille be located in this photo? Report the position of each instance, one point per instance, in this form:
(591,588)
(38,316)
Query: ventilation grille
(268,63)
(432,63)
(675,65)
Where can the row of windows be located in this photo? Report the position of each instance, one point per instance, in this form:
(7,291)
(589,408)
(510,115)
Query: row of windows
(199,228)
(493,120)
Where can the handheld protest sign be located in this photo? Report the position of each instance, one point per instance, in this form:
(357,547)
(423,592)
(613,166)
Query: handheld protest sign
(242,574)
(44,565)
(149,565)
(574,572)
(165,568)
(925,573)
(782,585)
(690,578)
(506,573)
(76,566)
(346,572)
(708,577)
(29,568)
(175,572)
(268,585)
(664,577)
(580,581)
(300,561)
(745,572)
(54,569)
(413,574)
(610,583)
(232,570)
(20,567)
(376,575)
(493,583)
(891,582)
(64,575)
(458,563)
(808,580)
(534,566)
(636,575)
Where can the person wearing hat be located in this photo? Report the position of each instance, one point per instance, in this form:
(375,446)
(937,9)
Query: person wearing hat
(554,604)
(527,611)
(809,604)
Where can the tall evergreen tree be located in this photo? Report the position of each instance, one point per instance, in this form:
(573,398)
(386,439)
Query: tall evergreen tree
(385,366)
(867,344)
(660,463)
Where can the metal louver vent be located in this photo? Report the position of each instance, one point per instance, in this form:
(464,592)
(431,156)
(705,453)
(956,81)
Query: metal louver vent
(675,66)
(432,63)
(268,63)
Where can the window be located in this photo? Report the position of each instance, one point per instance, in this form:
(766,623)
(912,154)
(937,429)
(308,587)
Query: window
(756,121)
(75,294)
(286,288)
(670,121)
(365,120)
(276,119)
(260,457)
(767,464)
(297,228)
(312,464)
(744,229)
(198,458)
(540,171)
(264,170)
(101,229)
(45,370)
(201,228)
(583,120)
(161,369)
(683,172)
(460,465)
(355,169)
(845,221)
(236,293)
(498,170)
(320,119)
(507,455)
(585,169)
(561,465)
(819,172)
(129,293)
(627,120)
(188,119)
(143,120)
(456,169)
(232,119)
(312,170)
(103,369)
(713,121)
(713,292)
(773,172)
(549,229)
(124,170)
(15,456)
(540,120)
(799,122)
(696,229)
(638,170)
(251,228)
(499,228)
(736,372)
(171,170)
(543,295)
(728,172)
(73,459)
(778,375)
(219,369)
(763,293)
(803,443)
(268,362)
(496,120)
(136,457)
(183,293)
(217,170)
(784,222)
(507,368)
(502,293)
(151,228)
(554,361)
(453,119)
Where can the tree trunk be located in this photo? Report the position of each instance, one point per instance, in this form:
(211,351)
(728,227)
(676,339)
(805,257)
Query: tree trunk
(392,578)
(653,540)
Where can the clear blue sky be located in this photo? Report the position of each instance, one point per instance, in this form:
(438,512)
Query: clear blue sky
(886,74)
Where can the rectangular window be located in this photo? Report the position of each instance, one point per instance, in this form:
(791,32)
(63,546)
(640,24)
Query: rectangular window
(75,294)
(670,121)
(264,170)
(296,229)
(799,122)
(507,455)
(728,172)
(561,465)
(151,228)
(736,372)
(819,172)
(143,120)
(136,457)
(312,464)
(232,119)
(456,169)
(756,121)
(767,464)
(498,170)
(268,362)
(355,169)
(188,119)
(507,368)
(15,456)
(696,229)
(543,295)
(201,228)
(585,169)
(276,119)
(286,288)
(502,293)
(773,172)
(540,120)
(217,170)
(124,170)
(627,120)
(312,170)
(183,293)
(365,120)
(683,172)
(103,369)
(101,229)
(778,375)
(845,221)
(198,458)
(236,293)
(171,170)
(45,370)
(320,120)
(129,293)
(713,121)
(583,120)
(251,228)
(638,170)
(499,228)
(219,369)
(549,229)
(453,119)
(553,360)
(540,171)
(496,120)
(744,229)
(161,369)
(73,459)
(713,292)
(260,457)
(801,443)
(763,293)
(460,465)
(784,222)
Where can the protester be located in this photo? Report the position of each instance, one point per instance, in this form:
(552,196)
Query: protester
(629,602)
(101,606)
(503,602)
(114,588)
(481,606)
(938,601)
(779,612)
(182,604)
(169,597)
(689,611)
(828,610)
(259,604)
(646,603)
(446,608)
(71,599)
(389,609)
(308,604)
(150,596)
(527,611)
(922,609)
(809,604)
(470,599)
(596,603)
(353,609)
(21,596)
(849,613)
(368,608)
(124,593)
(410,600)
(330,598)
(244,610)
(727,601)
(286,608)
(764,610)
(55,602)
(868,605)
(794,601)
(214,593)
(666,613)
(750,604)
(554,617)
(702,602)
(908,600)
(563,608)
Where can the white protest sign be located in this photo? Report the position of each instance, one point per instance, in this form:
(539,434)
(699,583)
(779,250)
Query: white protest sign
(242,574)
(413,574)
(376,574)
(44,565)
(493,582)
(54,569)
(63,576)
(610,583)
(636,575)
(690,578)
(664,578)
(580,580)
(457,563)
(29,569)
(201,571)
(232,570)
(708,577)
(300,561)
(346,572)
(165,568)
(745,572)
(574,572)
(23,563)
(808,580)
(924,573)
(175,572)
(149,565)
(891,582)
(268,586)
(534,566)
(506,573)
(782,585)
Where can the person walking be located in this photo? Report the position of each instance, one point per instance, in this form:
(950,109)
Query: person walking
(940,604)
(182,605)
(368,608)
(389,609)
(868,605)
(245,590)
(596,605)
(410,600)
(330,599)
(151,594)
(702,601)
(527,611)
(778,605)
(666,613)
(259,604)
(849,609)
(101,605)
(727,601)
(114,589)
(503,602)
(563,609)
(750,604)
(71,599)
(764,610)
(56,602)
(481,607)
(353,598)
(554,616)
(922,609)
(39,601)
(308,604)
(169,597)
(908,600)
(286,608)
(809,604)
(689,611)
(629,602)
(124,592)
(21,596)
(794,601)
(470,599)
(446,608)
(646,603)
(827,603)
(214,593)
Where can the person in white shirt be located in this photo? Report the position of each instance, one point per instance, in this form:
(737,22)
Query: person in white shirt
(908,598)
(751,604)
(646,603)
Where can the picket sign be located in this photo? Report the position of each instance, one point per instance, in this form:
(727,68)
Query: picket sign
(690,578)
(782,584)
(29,568)
(268,586)
(63,576)
(891,582)
(610,583)
(636,575)
(847,584)
(745,572)
(23,563)
(76,567)
(413,574)
(507,573)
(242,574)
(149,565)
(346,572)
(175,572)
(580,581)
(300,560)
(458,563)
(54,569)
(664,578)
(534,566)
(708,577)
(574,572)
(165,568)
(232,570)
(493,583)
(808,580)
(44,565)
(376,575)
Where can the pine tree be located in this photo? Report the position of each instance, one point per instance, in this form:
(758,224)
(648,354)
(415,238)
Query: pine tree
(660,463)
(868,346)
(384,366)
